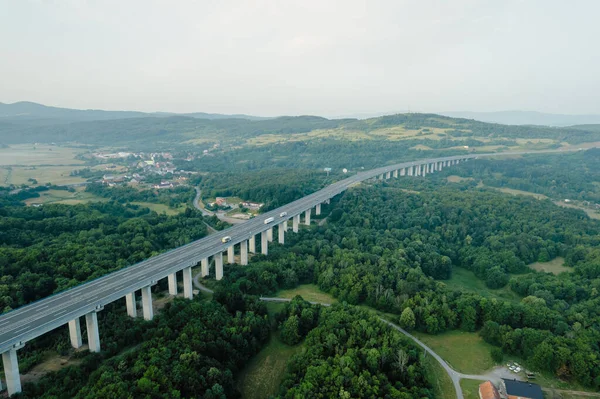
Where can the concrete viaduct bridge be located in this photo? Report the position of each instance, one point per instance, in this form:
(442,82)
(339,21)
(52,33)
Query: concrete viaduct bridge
(86,300)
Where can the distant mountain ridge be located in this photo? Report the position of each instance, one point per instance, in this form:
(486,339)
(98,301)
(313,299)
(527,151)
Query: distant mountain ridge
(25,111)
(527,118)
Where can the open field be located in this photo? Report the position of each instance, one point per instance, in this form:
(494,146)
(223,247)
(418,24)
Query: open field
(64,197)
(309,292)
(52,362)
(41,154)
(161,208)
(555,266)
(519,192)
(5,176)
(470,388)
(437,376)
(458,179)
(453,346)
(43,174)
(466,280)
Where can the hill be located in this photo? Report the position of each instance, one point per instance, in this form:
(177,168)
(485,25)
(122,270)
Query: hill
(38,114)
(150,130)
(527,118)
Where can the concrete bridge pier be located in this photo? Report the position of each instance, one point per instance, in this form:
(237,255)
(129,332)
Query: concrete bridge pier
(307,217)
(264,243)
(295,223)
(281,233)
(270,234)
(91,323)
(131,305)
(285,226)
(388,175)
(244,253)
(409,171)
(425,170)
(75,333)
(11,371)
(252,244)
(187,283)
(204,271)
(318,209)
(231,254)
(173,284)
(147,309)
(218,265)
(395,173)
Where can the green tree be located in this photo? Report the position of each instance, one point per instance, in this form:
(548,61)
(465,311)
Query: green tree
(407,319)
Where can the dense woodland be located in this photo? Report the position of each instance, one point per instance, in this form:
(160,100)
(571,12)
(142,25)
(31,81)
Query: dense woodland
(124,194)
(567,176)
(392,250)
(316,154)
(54,247)
(192,349)
(274,188)
(349,353)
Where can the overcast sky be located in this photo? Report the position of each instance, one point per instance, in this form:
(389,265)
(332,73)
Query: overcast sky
(319,57)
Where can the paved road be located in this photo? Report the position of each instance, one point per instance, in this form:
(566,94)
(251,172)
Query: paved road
(211,230)
(35,319)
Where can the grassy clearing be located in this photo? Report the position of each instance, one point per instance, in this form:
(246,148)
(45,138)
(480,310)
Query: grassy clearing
(161,208)
(520,192)
(555,266)
(64,197)
(309,292)
(453,346)
(421,147)
(439,379)
(41,154)
(458,179)
(43,174)
(470,388)
(52,362)
(466,280)
(262,376)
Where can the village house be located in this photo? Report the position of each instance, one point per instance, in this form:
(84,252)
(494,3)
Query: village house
(487,390)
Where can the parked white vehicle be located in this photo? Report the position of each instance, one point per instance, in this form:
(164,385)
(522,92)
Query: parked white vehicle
(226,239)
(269,220)
(282,214)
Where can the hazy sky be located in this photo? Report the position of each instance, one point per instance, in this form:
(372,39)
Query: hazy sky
(319,57)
